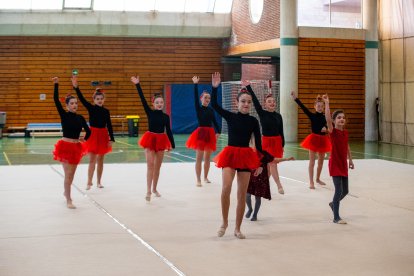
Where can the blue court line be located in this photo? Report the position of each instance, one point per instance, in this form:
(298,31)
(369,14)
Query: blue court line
(126,228)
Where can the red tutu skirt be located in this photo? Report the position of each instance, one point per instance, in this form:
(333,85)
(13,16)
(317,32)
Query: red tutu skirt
(155,141)
(98,142)
(273,145)
(203,138)
(317,143)
(67,152)
(237,158)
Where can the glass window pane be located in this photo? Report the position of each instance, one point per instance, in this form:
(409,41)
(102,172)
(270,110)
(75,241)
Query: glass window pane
(199,6)
(15,5)
(346,14)
(170,6)
(223,6)
(78,4)
(47,4)
(313,13)
(134,5)
(105,5)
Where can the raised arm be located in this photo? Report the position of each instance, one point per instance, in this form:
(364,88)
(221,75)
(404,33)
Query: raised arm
(135,80)
(56,96)
(215,82)
(79,93)
(168,130)
(196,79)
(327,113)
(304,108)
(256,102)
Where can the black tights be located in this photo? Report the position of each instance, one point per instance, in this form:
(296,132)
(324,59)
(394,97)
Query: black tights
(341,190)
(256,205)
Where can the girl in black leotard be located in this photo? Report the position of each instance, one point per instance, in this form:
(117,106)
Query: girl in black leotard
(317,142)
(273,139)
(102,136)
(203,139)
(158,139)
(238,156)
(69,150)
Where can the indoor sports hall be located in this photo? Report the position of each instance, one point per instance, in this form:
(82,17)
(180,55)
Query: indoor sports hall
(351,55)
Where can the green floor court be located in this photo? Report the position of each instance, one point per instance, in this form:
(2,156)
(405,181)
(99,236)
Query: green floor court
(24,151)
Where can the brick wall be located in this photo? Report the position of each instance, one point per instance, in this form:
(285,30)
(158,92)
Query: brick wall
(244,31)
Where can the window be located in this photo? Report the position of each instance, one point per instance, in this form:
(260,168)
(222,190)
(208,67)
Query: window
(256,10)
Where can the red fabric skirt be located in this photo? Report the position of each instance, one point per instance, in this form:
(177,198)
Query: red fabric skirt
(98,142)
(273,145)
(203,138)
(317,143)
(155,141)
(238,158)
(67,152)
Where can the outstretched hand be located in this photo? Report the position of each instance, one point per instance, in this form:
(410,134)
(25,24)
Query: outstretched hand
(245,83)
(294,95)
(55,80)
(196,79)
(74,80)
(215,79)
(135,79)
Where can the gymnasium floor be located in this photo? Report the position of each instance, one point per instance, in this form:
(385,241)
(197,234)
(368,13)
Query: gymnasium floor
(115,232)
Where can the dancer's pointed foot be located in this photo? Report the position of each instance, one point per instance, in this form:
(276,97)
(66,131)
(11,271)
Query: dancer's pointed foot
(239,235)
(70,205)
(206,180)
(100,185)
(156,193)
(281,191)
(88,186)
(221,231)
(199,184)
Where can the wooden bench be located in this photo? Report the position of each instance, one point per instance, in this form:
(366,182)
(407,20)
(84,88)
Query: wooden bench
(43,129)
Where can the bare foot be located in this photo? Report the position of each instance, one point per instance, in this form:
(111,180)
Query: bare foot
(320,182)
(312,186)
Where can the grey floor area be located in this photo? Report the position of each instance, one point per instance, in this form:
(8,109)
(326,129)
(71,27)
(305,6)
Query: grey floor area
(115,232)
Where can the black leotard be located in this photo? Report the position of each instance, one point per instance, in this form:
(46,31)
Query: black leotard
(205,115)
(158,121)
(99,116)
(72,123)
(318,120)
(272,122)
(240,126)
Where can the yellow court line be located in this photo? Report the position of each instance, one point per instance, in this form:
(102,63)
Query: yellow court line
(7,158)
